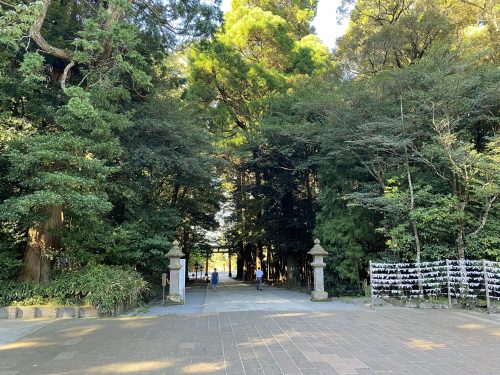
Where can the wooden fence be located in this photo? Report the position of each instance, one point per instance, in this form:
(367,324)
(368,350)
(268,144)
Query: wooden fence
(458,279)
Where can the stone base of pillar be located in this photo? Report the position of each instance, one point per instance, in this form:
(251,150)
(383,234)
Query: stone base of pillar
(174,299)
(319,296)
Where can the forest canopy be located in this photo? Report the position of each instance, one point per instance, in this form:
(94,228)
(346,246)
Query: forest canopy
(127,124)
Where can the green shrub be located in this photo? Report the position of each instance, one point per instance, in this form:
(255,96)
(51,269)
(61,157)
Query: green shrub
(101,286)
(9,265)
(11,292)
(31,301)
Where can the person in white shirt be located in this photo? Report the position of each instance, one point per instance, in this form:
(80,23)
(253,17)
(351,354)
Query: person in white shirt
(259,274)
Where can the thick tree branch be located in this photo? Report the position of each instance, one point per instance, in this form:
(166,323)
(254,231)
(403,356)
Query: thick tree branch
(473,4)
(65,74)
(36,35)
(430,164)
(485,216)
(7,4)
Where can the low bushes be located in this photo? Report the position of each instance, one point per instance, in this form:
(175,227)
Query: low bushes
(101,286)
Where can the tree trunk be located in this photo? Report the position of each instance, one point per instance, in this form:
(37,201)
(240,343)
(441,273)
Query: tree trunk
(186,249)
(248,264)
(239,268)
(415,228)
(292,271)
(186,273)
(259,253)
(41,239)
(460,242)
(239,260)
(175,194)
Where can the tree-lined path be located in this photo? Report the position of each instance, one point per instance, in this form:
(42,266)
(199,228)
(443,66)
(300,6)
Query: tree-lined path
(128,125)
(125,125)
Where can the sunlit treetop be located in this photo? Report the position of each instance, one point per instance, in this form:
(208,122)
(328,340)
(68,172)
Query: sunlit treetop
(263,48)
(260,36)
(297,13)
(387,34)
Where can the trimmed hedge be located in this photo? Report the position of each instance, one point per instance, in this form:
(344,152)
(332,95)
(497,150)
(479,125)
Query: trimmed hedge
(101,286)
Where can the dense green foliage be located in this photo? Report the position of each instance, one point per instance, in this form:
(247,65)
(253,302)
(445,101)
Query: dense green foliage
(101,162)
(101,286)
(264,51)
(409,165)
(409,154)
(388,153)
(125,125)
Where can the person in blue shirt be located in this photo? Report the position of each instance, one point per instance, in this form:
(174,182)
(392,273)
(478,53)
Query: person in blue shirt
(214,279)
(259,274)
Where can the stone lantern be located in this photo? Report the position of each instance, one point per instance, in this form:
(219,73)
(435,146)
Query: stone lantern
(318,294)
(175,254)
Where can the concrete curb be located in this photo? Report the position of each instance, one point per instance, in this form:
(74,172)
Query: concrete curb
(54,312)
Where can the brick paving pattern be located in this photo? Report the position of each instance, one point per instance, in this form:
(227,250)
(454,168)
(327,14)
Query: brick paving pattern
(237,330)
(379,341)
(15,329)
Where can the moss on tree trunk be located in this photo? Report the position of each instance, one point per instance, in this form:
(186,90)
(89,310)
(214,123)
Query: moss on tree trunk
(42,238)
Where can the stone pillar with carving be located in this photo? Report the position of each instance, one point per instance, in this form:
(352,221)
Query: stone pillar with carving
(317,252)
(175,254)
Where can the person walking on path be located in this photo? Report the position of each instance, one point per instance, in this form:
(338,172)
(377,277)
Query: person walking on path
(214,279)
(259,274)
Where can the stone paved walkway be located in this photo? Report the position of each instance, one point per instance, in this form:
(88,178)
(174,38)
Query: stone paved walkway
(15,329)
(236,296)
(362,341)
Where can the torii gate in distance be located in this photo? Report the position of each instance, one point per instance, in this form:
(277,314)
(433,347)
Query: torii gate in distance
(220,249)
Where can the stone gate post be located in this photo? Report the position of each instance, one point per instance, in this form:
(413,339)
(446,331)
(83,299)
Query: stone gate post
(318,294)
(175,254)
